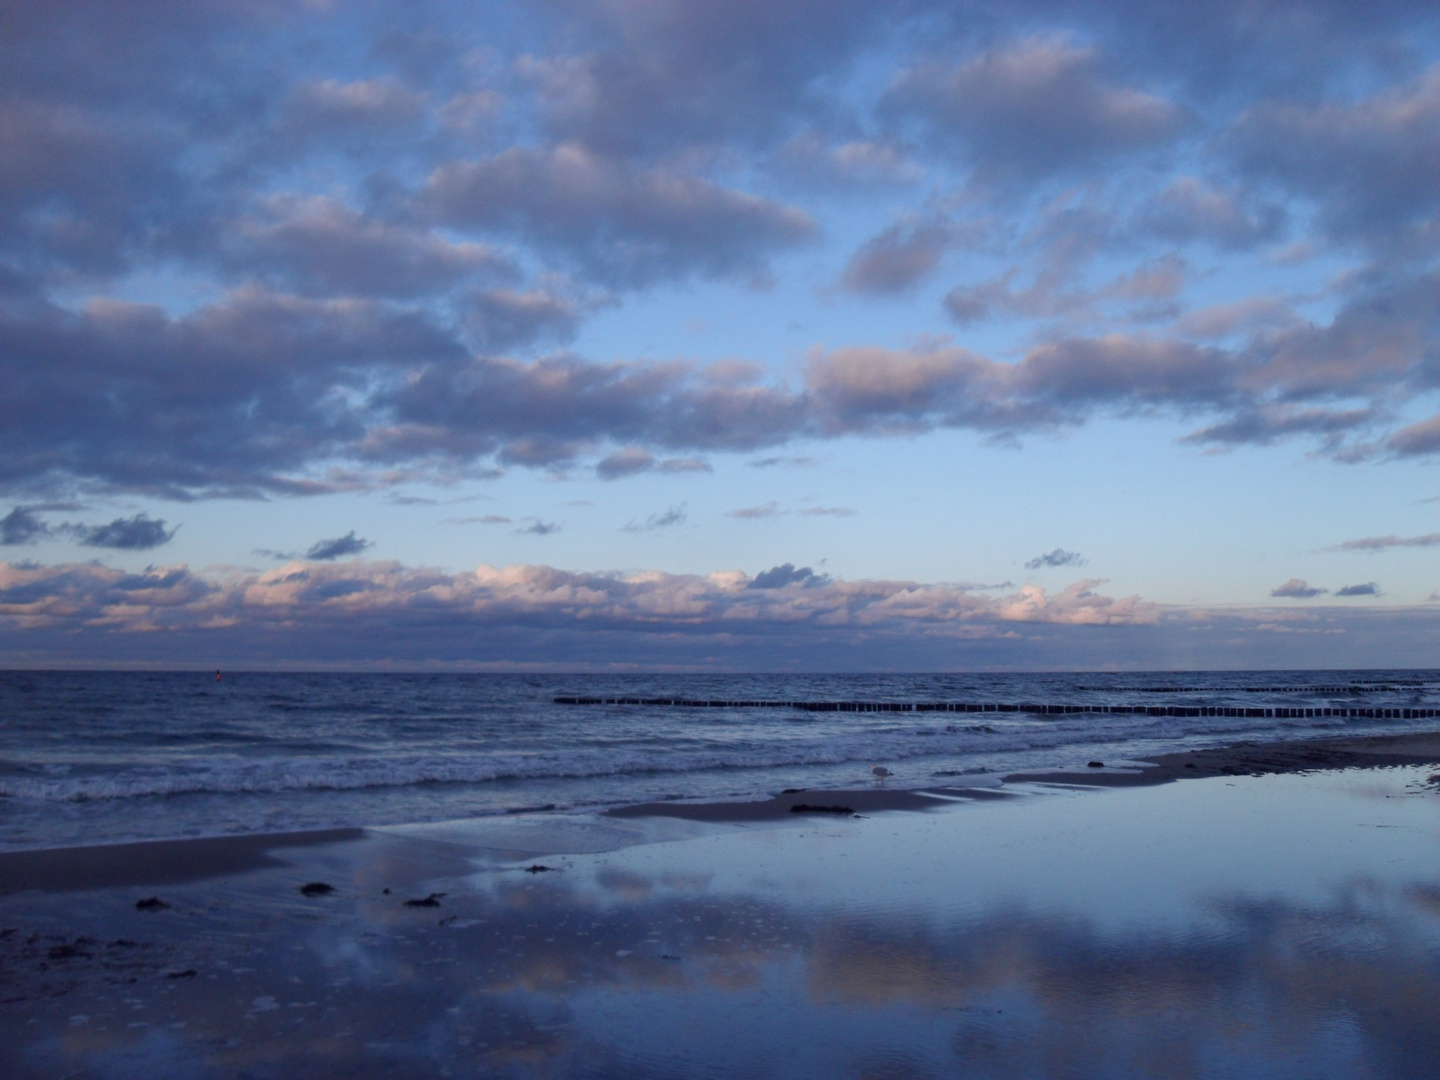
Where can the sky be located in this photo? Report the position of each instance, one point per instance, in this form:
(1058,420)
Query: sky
(747,335)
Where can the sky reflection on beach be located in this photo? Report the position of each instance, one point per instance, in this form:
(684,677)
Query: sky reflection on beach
(1274,926)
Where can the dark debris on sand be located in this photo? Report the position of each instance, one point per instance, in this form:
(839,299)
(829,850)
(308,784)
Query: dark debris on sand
(810,808)
(316,888)
(151,903)
(38,966)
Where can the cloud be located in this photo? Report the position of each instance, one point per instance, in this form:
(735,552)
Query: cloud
(138,533)
(1147,292)
(268,392)
(1297,589)
(617,225)
(827,511)
(21,526)
(228,397)
(659,78)
(318,246)
(1368,589)
(1189,209)
(503,319)
(338,548)
(1369,165)
(674,515)
(343,241)
(755,513)
(1058,557)
(1033,107)
(632,460)
(813,160)
(1416,439)
(1380,543)
(367,613)
(334,110)
(538,528)
(356,610)
(626,462)
(899,258)
(778,577)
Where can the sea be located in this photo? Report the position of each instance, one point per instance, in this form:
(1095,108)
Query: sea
(102,757)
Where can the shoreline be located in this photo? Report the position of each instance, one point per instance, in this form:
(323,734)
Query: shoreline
(1238,759)
(188,859)
(1258,759)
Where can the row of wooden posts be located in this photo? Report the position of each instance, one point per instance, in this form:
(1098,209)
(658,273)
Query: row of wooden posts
(1277,711)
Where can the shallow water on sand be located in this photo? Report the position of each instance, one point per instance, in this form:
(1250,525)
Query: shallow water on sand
(1249,926)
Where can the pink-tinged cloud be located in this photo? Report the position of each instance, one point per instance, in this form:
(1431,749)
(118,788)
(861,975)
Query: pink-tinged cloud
(386,614)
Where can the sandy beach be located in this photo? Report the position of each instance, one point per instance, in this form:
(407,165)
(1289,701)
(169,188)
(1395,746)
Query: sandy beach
(1278,913)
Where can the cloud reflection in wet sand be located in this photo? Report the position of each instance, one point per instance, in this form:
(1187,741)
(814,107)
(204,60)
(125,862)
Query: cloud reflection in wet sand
(635,964)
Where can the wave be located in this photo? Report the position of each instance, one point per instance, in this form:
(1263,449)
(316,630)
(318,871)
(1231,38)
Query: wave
(272,775)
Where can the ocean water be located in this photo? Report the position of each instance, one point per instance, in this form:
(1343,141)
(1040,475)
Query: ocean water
(99,757)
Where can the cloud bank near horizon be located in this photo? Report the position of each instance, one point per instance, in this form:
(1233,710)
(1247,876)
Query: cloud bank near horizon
(531,616)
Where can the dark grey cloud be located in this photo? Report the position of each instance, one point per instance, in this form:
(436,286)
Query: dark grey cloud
(899,258)
(21,526)
(654,77)
(811,161)
(337,111)
(1233,218)
(626,462)
(337,548)
(1033,107)
(1058,557)
(319,246)
(138,533)
(617,224)
(1416,439)
(632,460)
(1297,589)
(1367,589)
(778,577)
(228,397)
(539,528)
(1370,165)
(501,319)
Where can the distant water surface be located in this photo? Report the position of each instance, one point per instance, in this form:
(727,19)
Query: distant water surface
(96,757)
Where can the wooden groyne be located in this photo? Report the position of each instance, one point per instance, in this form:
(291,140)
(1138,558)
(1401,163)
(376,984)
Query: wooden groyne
(1257,712)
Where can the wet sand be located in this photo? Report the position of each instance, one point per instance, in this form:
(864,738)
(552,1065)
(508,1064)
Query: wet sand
(154,862)
(1240,759)
(1286,923)
(1257,759)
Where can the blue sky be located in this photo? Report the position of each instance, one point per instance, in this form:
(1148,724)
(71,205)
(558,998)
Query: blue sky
(1035,334)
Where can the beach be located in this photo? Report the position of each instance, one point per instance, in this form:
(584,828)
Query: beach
(1276,912)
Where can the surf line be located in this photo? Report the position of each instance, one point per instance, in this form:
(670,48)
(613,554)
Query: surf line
(1257,712)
